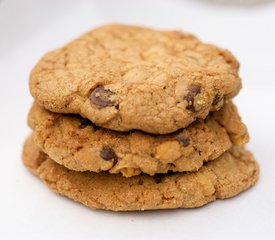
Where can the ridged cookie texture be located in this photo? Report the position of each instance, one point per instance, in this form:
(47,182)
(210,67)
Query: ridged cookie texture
(79,145)
(230,174)
(126,77)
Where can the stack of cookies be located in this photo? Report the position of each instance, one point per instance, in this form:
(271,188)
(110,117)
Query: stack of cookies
(130,118)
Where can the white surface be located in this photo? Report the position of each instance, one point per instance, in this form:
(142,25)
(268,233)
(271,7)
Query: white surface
(28,210)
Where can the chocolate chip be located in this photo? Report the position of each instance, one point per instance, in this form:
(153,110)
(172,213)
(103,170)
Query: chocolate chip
(84,123)
(189,98)
(216,100)
(191,108)
(185,141)
(193,91)
(108,154)
(101,97)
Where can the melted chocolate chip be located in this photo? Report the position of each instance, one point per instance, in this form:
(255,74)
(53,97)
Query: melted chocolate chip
(193,91)
(185,141)
(108,154)
(84,123)
(216,100)
(101,97)
(191,108)
(189,98)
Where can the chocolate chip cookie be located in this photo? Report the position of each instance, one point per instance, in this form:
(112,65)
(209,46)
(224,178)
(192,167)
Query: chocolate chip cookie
(79,145)
(125,77)
(230,174)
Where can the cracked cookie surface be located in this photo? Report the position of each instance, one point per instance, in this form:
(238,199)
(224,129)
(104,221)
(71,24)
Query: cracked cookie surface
(232,173)
(125,77)
(79,145)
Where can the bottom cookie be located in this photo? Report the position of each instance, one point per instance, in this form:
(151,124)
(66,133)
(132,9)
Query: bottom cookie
(232,173)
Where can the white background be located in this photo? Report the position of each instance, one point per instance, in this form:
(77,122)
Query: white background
(29,28)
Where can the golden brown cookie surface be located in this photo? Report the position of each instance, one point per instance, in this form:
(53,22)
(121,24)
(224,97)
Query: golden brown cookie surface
(125,77)
(225,177)
(81,146)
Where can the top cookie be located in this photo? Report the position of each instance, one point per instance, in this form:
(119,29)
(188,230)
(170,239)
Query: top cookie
(125,77)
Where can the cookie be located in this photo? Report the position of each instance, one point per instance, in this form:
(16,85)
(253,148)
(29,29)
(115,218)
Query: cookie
(230,174)
(125,77)
(81,146)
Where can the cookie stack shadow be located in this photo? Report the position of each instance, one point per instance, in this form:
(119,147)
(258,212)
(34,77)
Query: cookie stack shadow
(128,118)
